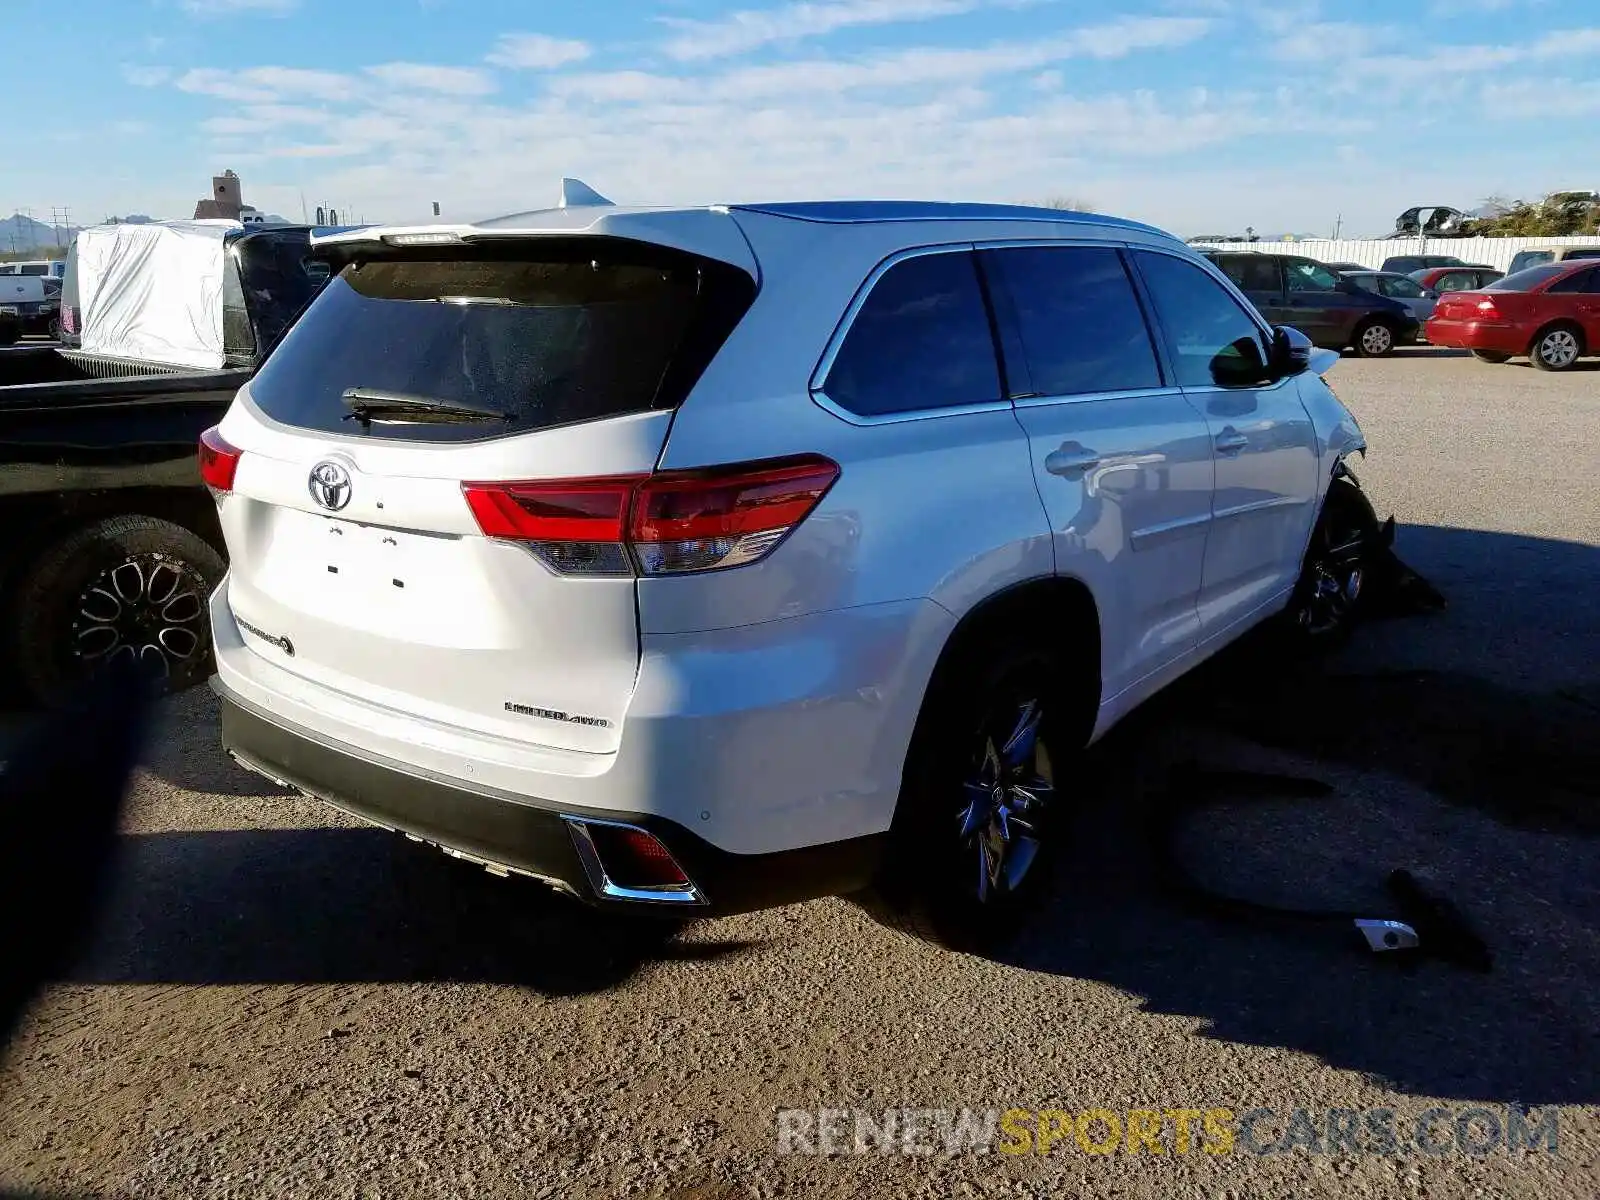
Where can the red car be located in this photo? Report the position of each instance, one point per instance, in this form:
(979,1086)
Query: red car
(1550,313)
(1456,279)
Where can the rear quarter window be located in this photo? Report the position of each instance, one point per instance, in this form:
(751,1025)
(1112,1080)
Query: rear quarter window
(547,332)
(920,340)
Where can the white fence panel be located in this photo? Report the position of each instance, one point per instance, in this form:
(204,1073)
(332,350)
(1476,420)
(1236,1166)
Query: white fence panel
(1495,252)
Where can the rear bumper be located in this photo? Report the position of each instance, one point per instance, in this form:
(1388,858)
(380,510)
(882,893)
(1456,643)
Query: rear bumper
(522,834)
(1497,336)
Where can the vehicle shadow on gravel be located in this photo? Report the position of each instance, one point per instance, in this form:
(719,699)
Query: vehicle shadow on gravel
(1491,791)
(354,906)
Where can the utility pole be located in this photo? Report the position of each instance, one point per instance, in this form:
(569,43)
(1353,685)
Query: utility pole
(1338,224)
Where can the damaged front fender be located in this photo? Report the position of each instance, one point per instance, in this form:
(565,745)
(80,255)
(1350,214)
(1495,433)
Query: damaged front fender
(1337,431)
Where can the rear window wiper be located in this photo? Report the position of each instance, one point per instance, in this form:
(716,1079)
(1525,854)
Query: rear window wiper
(377,404)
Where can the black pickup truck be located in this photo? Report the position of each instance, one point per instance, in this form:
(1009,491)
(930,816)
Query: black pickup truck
(111,545)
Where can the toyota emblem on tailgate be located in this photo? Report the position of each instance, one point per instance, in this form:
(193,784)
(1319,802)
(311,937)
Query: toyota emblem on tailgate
(330,485)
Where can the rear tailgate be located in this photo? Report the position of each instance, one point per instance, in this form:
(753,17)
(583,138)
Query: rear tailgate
(358,563)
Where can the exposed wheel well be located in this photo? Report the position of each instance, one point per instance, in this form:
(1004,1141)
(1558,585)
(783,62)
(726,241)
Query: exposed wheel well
(1057,610)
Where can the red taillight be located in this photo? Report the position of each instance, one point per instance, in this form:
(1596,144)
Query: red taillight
(672,522)
(1487,307)
(219,461)
(560,510)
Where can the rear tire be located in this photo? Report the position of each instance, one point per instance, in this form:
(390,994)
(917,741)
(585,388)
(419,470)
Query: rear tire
(10,331)
(979,819)
(1557,347)
(132,588)
(1373,338)
(1491,356)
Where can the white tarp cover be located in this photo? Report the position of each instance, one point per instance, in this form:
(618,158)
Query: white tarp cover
(154,292)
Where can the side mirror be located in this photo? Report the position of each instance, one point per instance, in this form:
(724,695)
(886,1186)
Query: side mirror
(1291,351)
(1429,294)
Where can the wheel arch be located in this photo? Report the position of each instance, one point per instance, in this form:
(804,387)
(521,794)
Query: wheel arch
(1060,610)
(1560,323)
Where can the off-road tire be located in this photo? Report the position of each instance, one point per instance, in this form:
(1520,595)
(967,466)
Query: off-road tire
(131,581)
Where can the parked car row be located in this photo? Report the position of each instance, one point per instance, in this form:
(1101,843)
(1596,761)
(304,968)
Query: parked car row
(1332,311)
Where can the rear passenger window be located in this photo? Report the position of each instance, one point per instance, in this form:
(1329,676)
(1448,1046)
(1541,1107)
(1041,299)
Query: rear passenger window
(1212,341)
(1583,281)
(920,340)
(1251,272)
(1077,320)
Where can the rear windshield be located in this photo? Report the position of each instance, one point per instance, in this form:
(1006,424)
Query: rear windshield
(1522,281)
(547,333)
(277,279)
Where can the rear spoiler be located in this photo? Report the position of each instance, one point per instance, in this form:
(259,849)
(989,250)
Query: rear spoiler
(580,211)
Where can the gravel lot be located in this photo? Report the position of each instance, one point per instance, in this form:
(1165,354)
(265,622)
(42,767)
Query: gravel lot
(285,1004)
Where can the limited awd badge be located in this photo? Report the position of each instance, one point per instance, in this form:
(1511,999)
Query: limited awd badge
(330,485)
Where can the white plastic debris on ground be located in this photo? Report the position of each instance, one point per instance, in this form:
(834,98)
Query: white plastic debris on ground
(154,292)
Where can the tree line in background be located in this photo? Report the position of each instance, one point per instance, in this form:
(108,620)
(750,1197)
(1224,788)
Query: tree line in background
(1560,214)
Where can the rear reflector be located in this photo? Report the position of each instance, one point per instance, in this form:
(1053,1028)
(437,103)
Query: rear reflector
(668,523)
(219,461)
(633,858)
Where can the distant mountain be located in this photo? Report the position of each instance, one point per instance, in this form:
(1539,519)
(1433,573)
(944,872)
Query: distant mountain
(24,233)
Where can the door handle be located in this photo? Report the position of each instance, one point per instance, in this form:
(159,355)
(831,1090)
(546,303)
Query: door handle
(1231,441)
(1072,458)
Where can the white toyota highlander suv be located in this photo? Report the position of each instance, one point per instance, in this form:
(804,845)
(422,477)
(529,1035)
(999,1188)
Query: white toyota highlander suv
(713,558)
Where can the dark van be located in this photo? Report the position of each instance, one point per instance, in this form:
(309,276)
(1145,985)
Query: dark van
(1289,289)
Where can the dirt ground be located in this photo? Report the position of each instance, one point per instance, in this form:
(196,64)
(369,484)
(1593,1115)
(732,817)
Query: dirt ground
(281,1003)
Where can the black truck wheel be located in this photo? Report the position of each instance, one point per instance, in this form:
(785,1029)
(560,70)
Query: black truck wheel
(130,588)
(10,330)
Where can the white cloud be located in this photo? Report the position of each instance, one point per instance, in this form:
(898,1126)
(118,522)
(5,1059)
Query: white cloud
(264,119)
(919,67)
(750,29)
(453,81)
(536,51)
(1008,120)
(226,8)
(146,76)
(1435,62)
(263,85)
(1320,41)
(1541,98)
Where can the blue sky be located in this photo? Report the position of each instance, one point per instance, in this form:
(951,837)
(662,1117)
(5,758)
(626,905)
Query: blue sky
(1199,115)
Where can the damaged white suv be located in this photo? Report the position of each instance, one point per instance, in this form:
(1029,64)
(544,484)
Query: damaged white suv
(721,557)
